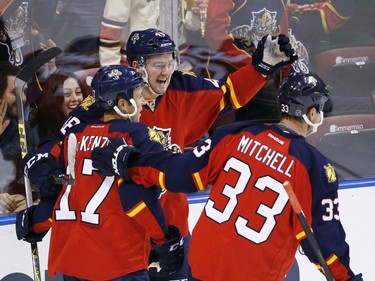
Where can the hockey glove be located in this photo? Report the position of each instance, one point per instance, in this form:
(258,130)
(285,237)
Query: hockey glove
(167,258)
(42,171)
(272,54)
(112,159)
(24,226)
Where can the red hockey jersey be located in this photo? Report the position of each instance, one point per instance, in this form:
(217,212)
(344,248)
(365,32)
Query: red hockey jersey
(186,112)
(92,236)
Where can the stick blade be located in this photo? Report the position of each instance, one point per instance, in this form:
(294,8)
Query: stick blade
(292,197)
(72,150)
(30,68)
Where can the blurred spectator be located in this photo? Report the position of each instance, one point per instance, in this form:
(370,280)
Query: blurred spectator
(12,190)
(15,30)
(120,18)
(61,94)
(233,29)
(327,25)
(6,51)
(37,81)
(75,27)
(312,22)
(192,27)
(358,30)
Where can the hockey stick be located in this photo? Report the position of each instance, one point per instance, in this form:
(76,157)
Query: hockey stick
(21,78)
(72,149)
(309,234)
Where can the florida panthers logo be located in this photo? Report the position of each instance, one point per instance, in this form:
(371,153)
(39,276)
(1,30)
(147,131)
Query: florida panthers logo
(261,23)
(163,136)
(330,173)
(115,74)
(135,38)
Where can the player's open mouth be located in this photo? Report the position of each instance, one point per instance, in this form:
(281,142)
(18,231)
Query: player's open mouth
(161,81)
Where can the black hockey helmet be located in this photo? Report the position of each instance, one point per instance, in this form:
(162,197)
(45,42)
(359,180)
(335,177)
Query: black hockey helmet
(299,92)
(114,81)
(143,43)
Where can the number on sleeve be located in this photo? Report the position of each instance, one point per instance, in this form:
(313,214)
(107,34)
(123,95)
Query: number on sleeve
(331,208)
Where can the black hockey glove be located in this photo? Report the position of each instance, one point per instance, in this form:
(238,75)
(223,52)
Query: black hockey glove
(358,277)
(272,54)
(167,258)
(42,171)
(112,159)
(24,226)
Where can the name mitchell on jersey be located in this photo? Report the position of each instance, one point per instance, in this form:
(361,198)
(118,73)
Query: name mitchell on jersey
(262,153)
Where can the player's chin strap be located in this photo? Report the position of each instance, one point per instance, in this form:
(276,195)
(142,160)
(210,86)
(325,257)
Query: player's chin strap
(145,79)
(314,126)
(128,115)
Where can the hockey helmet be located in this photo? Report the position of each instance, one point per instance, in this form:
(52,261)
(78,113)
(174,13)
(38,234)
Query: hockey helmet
(143,43)
(299,92)
(113,81)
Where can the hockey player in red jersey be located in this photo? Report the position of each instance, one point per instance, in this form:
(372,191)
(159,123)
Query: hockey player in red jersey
(182,107)
(248,230)
(100,224)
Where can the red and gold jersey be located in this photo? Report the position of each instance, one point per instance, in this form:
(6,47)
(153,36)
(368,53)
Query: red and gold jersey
(186,112)
(96,234)
(247,229)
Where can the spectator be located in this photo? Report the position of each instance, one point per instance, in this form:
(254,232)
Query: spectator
(76,24)
(192,20)
(320,19)
(12,189)
(247,218)
(233,30)
(357,27)
(5,43)
(15,18)
(61,94)
(120,18)
(74,27)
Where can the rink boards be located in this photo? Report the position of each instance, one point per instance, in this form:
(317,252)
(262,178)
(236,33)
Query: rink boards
(357,212)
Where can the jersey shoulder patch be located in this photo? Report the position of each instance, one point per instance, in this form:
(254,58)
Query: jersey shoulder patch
(87,102)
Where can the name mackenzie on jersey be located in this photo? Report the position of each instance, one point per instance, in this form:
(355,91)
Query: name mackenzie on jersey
(90,142)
